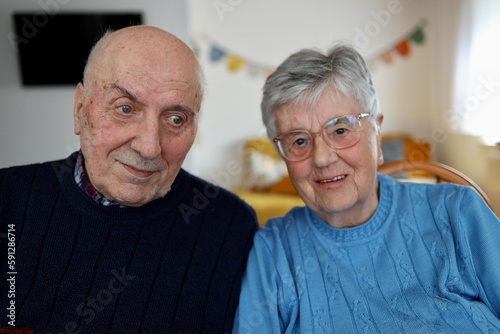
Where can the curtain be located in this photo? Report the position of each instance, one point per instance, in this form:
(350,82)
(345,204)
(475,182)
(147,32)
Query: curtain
(476,91)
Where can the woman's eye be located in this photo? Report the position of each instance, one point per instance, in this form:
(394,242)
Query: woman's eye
(125,109)
(300,142)
(340,131)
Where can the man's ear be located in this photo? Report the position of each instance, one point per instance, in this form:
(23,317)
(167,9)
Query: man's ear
(78,109)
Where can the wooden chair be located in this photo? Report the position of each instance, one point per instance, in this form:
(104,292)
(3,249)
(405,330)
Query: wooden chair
(442,173)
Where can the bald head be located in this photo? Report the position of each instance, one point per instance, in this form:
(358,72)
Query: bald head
(136,112)
(139,45)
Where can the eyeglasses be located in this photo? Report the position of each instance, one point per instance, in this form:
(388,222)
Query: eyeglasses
(340,132)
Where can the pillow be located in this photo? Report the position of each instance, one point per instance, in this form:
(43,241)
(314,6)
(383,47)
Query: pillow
(263,171)
(284,186)
(403,147)
(417,151)
(393,150)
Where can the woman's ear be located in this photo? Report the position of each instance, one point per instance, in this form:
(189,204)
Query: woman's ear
(380,154)
(380,119)
(78,108)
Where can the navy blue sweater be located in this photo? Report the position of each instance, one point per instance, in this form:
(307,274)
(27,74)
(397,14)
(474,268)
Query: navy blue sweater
(70,265)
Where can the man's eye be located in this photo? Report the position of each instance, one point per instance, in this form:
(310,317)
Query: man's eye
(125,109)
(176,120)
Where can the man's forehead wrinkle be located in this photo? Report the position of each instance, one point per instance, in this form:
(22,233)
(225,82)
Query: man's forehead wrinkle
(146,72)
(147,83)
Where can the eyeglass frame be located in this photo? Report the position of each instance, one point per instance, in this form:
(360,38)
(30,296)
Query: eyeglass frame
(276,140)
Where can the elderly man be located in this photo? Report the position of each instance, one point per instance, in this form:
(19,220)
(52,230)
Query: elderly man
(118,238)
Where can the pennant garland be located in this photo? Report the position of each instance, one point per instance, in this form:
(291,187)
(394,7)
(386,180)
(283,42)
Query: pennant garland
(403,46)
(216,54)
(235,63)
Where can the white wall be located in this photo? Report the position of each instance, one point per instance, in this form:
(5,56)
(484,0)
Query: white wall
(265,32)
(36,124)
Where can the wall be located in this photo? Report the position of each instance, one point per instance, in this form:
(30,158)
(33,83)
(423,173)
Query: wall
(36,124)
(263,33)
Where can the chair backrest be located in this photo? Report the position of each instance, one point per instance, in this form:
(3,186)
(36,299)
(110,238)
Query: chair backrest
(442,172)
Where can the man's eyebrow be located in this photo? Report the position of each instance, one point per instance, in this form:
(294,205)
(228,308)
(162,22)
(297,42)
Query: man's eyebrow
(173,107)
(125,91)
(181,108)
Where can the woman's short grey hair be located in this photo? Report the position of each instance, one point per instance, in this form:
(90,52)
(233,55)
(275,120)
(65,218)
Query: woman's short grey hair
(304,75)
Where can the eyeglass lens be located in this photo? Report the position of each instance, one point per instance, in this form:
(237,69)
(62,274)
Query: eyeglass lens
(338,133)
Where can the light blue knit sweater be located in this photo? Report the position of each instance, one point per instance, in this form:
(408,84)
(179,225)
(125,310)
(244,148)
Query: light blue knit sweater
(428,261)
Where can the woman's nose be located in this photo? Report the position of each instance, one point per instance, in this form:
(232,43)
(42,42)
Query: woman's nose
(323,154)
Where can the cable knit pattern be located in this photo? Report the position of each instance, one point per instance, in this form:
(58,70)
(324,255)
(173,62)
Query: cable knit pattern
(428,261)
(173,265)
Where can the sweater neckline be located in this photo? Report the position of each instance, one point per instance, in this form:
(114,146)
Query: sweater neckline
(361,232)
(86,206)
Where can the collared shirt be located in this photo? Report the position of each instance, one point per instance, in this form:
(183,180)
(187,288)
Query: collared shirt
(84,183)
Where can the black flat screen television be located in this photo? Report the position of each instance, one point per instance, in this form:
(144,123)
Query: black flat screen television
(52,50)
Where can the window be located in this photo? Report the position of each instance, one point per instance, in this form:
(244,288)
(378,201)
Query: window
(481,105)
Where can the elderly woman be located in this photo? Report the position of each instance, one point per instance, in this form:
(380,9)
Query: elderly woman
(367,254)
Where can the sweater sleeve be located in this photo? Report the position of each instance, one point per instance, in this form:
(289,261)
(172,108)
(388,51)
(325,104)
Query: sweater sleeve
(261,307)
(482,229)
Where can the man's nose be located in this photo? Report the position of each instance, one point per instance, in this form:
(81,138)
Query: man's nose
(147,139)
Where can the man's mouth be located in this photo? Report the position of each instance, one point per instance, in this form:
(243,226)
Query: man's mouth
(141,173)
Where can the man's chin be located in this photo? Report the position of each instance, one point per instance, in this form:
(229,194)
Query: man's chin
(137,197)
(133,201)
